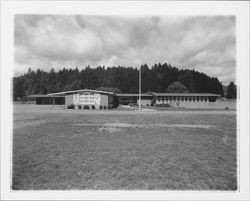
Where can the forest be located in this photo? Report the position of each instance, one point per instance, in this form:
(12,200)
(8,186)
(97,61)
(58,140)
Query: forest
(122,79)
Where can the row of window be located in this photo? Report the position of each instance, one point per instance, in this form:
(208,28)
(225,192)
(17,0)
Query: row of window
(183,98)
(162,101)
(125,99)
(171,98)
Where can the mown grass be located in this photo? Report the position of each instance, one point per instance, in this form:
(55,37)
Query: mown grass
(51,152)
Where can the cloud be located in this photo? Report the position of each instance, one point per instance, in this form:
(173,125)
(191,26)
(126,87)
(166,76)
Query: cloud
(204,43)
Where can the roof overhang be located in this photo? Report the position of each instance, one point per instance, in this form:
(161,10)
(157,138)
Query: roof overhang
(134,95)
(43,96)
(79,91)
(186,94)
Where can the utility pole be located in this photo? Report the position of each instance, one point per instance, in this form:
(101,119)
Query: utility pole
(140,88)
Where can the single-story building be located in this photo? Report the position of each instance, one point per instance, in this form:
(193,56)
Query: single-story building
(87,99)
(94,99)
(125,99)
(42,99)
(186,100)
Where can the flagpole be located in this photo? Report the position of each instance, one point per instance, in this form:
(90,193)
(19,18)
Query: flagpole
(140,88)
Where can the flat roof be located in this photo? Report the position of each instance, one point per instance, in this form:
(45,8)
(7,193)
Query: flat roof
(185,94)
(80,90)
(167,94)
(133,95)
(42,96)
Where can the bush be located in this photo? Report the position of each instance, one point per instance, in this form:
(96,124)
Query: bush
(71,106)
(104,107)
(110,106)
(100,107)
(79,107)
(162,105)
(86,107)
(93,107)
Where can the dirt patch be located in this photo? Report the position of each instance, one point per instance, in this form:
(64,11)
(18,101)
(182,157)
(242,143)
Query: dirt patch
(128,125)
(109,129)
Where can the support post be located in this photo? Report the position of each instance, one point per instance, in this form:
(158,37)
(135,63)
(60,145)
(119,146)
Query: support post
(53,98)
(140,88)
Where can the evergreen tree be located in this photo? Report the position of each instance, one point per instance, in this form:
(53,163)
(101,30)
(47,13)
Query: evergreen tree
(231,91)
(186,79)
(126,79)
(18,88)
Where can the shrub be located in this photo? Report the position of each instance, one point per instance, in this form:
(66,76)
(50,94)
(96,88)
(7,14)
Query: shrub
(163,105)
(100,107)
(71,106)
(86,107)
(93,107)
(104,107)
(79,107)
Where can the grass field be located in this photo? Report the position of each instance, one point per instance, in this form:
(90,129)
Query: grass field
(54,148)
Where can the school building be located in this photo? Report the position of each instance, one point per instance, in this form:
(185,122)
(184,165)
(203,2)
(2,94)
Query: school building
(86,99)
(186,100)
(94,99)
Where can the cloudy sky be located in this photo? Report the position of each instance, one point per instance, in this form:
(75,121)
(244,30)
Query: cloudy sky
(204,43)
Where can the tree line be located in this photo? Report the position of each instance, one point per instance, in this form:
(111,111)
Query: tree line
(122,79)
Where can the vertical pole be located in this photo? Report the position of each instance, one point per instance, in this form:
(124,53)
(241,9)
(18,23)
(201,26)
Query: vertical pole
(140,88)
(53,98)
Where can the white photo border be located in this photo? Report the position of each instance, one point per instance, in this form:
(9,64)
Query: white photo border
(176,8)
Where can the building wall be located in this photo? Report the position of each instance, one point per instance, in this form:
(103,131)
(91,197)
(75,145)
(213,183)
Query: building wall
(104,100)
(144,102)
(187,102)
(222,105)
(110,99)
(101,100)
(206,104)
(49,101)
(69,99)
(190,104)
(127,100)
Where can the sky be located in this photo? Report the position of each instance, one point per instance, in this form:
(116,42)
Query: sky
(203,43)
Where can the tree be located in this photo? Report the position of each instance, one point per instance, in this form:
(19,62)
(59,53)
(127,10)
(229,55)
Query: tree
(231,91)
(187,80)
(176,87)
(155,78)
(18,88)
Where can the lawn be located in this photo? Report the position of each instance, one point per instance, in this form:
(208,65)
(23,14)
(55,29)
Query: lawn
(54,148)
